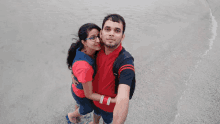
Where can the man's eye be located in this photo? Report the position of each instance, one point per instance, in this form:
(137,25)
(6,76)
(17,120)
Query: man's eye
(118,30)
(107,29)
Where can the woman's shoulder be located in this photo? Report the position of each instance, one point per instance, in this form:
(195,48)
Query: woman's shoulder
(81,64)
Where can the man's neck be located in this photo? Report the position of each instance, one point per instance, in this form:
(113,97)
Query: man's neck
(110,50)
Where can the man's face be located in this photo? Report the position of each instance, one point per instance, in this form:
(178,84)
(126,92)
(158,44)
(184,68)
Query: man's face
(111,34)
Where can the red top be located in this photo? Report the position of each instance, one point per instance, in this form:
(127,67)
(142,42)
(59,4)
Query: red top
(84,72)
(104,81)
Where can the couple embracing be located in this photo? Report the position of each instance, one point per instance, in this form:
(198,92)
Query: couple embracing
(104,76)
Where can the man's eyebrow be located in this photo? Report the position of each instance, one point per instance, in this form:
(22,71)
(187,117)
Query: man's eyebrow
(118,29)
(107,27)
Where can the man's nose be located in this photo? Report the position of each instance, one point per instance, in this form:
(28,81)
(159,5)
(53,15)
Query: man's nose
(111,32)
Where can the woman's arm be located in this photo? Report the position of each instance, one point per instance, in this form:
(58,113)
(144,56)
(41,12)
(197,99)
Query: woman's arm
(87,87)
(73,80)
(83,71)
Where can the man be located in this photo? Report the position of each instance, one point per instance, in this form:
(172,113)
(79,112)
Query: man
(112,34)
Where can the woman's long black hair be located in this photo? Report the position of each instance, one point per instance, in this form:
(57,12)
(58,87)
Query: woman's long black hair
(82,35)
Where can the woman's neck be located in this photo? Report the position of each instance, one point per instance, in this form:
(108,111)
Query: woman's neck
(89,52)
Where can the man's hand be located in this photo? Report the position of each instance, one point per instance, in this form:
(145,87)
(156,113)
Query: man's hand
(73,80)
(122,103)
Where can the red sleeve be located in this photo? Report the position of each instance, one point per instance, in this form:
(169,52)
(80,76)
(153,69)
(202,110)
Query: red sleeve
(83,71)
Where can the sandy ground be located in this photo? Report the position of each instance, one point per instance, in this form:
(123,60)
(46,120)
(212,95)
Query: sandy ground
(175,44)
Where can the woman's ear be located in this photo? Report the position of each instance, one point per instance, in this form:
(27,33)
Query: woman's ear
(83,42)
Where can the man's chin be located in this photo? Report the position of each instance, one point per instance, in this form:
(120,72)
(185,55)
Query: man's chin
(111,45)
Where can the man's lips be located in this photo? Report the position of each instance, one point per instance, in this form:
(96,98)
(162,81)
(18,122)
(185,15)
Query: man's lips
(111,39)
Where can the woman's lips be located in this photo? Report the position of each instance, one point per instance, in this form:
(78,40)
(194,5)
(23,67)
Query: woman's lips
(98,45)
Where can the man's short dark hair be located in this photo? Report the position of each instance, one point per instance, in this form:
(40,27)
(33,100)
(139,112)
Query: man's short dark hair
(115,18)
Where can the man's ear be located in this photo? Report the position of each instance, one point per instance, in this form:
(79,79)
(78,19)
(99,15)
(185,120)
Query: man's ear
(100,34)
(123,37)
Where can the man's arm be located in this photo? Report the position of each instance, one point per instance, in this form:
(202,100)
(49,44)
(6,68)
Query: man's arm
(122,103)
(126,78)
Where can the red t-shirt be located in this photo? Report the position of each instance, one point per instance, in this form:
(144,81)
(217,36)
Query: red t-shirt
(104,81)
(83,72)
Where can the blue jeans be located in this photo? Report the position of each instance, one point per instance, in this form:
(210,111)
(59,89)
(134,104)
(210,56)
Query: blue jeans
(106,116)
(85,105)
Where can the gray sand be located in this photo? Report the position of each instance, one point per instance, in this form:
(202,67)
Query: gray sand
(175,44)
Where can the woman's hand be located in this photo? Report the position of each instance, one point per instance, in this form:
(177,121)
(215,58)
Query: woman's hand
(113,100)
(73,80)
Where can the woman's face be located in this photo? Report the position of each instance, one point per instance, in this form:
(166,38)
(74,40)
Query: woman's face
(93,41)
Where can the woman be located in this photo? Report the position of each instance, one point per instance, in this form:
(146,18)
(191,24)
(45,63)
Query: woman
(81,60)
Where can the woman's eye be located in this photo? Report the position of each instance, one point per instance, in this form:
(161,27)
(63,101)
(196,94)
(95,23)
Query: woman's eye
(92,38)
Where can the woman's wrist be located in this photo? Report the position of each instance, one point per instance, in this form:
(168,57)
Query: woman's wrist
(113,100)
(107,100)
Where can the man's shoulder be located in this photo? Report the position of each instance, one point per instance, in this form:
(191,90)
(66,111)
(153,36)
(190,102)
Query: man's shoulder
(123,58)
(125,55)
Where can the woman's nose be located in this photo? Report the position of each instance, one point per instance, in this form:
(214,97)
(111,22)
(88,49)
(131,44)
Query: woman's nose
(97,39)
